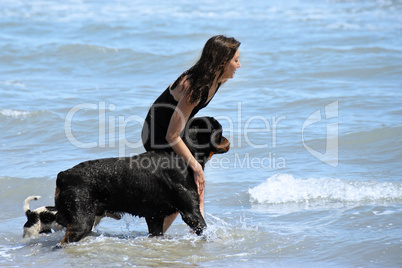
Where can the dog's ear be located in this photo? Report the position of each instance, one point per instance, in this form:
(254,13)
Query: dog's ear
(204,122)
(198,123)
(191,138)
(202,133)
(32,218)
(198,132)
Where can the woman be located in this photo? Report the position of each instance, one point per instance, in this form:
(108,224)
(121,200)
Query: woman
(191,92)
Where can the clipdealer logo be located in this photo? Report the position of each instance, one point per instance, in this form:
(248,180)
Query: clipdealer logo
(112,133)
(330,156)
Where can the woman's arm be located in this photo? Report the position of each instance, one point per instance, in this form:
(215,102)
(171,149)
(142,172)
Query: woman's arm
(177,124)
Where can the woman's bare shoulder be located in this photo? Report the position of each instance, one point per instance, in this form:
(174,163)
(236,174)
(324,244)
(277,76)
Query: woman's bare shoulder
(181,89)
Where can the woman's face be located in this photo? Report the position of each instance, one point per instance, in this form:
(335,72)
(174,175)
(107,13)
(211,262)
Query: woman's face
(232,66)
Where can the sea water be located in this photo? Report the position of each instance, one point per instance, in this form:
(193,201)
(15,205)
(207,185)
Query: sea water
(314,117)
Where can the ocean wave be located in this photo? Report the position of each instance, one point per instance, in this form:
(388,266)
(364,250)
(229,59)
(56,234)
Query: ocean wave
(20,114)
(119,57)
(112,10)
(385,138)
(13,83)
(79,51)
(284,188)
(369,49)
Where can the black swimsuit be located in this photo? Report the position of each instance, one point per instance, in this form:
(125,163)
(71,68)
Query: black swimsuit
(158,119)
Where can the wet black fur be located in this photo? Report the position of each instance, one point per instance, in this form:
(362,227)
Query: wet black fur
(152,185)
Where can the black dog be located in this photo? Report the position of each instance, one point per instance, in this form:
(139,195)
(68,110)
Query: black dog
(152,185)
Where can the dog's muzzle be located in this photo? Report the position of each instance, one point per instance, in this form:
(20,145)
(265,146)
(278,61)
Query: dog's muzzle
(224,146)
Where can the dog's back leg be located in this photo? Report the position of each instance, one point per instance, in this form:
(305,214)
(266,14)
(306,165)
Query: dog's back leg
(155,226)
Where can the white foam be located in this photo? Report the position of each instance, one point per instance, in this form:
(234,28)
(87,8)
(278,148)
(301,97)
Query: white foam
(4,253)
(14,83)
(13,113)
(284,188)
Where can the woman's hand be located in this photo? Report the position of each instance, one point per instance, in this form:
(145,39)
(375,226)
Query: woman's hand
(199,178)
(200,182)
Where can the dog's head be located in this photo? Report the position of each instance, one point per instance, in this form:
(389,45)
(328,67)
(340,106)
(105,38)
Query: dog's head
(203,136)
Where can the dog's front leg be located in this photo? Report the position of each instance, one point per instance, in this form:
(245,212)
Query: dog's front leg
(80,227)
(195,221)
(155,226)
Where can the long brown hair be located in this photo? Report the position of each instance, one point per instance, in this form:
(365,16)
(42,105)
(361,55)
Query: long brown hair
(217,52)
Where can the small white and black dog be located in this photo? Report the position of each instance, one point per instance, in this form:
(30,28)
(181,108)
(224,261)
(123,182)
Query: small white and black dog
(43,219)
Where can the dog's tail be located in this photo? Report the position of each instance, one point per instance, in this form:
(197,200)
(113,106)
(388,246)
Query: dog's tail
(28,200)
